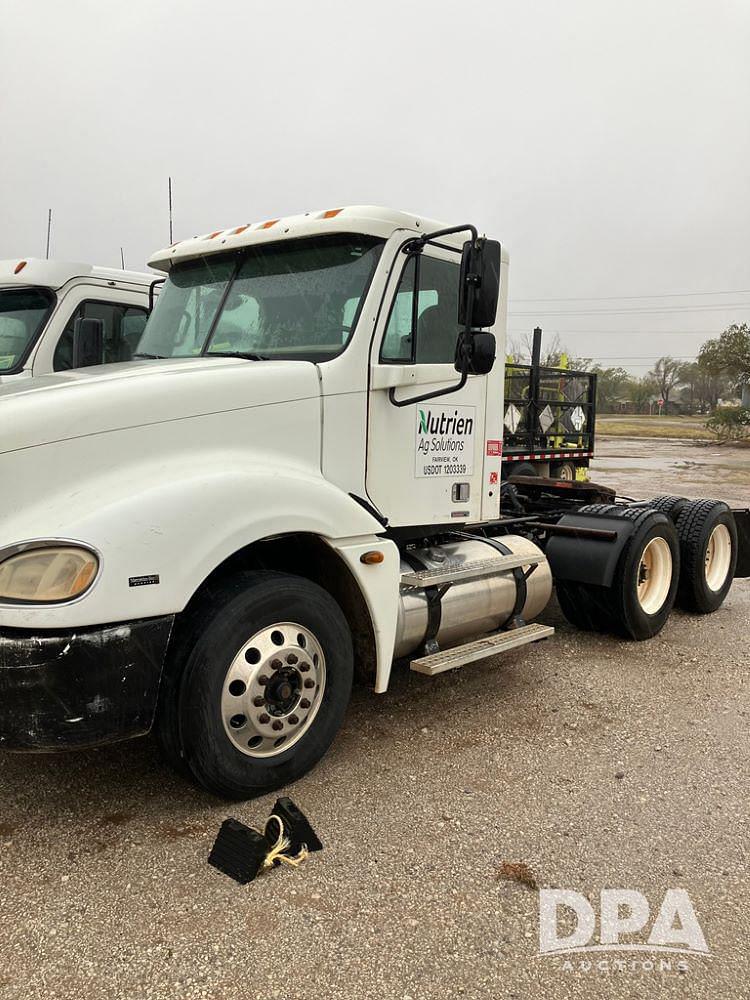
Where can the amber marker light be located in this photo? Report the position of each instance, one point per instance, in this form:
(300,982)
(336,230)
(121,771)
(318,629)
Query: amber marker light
(372,558)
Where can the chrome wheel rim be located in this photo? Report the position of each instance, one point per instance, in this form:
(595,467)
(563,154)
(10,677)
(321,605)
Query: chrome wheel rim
(718,557)
(567,473)
(654,575)
(273,689)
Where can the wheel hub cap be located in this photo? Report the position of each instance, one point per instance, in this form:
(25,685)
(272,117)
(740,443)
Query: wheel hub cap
(273,689)
(654,575)
(718,557)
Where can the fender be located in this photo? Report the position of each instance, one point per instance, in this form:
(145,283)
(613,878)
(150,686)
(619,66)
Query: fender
(591,561)
(176,530)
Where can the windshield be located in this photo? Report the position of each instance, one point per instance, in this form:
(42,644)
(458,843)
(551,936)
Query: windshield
(295,299)
(23,312)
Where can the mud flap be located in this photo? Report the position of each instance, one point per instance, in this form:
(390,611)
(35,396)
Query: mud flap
(742,520)
(588,560)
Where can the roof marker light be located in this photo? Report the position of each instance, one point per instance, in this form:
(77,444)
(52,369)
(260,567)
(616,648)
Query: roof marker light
(213,235)
(19,266)
(240,229)
(332,213)
(267,225)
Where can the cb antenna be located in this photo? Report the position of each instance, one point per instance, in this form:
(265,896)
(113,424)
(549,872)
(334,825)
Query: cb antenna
(49,229)
(171,238)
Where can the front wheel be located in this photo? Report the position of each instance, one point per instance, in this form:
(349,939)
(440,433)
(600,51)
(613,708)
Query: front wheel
(258,684)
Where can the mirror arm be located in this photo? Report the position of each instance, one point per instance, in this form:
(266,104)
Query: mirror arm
(418,243)
(152,293)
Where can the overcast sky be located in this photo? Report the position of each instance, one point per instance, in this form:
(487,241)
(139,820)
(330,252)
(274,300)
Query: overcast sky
(606,143)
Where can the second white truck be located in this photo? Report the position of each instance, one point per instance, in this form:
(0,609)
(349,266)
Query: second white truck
(303,482)
(57,315)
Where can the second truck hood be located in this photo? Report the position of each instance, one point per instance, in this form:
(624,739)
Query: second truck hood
(73,404)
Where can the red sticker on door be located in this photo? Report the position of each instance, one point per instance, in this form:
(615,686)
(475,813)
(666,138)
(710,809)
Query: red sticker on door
(494,448)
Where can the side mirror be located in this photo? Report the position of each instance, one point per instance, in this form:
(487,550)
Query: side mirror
(88,342)
(475,353)
(480,271)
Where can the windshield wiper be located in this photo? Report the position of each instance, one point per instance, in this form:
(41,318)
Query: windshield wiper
(151,357)
(248,355)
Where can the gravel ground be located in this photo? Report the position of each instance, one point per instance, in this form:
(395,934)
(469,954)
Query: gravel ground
(591,762)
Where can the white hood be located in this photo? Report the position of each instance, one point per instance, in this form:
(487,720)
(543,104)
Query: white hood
(114,397)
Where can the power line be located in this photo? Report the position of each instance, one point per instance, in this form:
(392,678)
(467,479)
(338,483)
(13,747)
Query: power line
(607,333)
(618,312)
(613,298)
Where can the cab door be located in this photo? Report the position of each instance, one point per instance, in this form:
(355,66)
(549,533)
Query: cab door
(424,459)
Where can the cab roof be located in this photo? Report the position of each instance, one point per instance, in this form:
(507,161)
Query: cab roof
(367,219)
(56,273)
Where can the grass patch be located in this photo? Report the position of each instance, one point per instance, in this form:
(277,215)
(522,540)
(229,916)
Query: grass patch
(685,428)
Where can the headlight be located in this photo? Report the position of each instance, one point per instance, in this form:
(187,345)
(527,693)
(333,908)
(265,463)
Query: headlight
(47,575)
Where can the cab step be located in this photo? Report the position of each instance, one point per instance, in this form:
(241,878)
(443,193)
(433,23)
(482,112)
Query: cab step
(448,659)
(453,572)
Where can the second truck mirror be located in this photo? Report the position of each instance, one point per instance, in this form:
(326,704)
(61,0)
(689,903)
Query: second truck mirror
(480,270)
(88,342)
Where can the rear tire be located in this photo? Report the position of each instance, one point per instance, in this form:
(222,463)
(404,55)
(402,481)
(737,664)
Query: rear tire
(708,547)
(642,593)
(671,506)
(524,469)
(258,637)
(563,470)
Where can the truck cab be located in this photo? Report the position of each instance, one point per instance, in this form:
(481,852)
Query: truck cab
(301,481)
(42,303)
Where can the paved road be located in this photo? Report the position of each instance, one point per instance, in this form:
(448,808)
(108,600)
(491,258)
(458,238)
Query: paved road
(428,792)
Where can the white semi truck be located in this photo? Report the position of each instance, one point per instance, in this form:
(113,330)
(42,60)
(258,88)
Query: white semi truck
(57,315)
(302,483)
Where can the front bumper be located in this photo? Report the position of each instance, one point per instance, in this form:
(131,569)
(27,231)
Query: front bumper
(81,688)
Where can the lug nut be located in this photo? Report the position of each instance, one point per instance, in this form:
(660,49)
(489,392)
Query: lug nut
(276,664)
(292,658)
(309,682)
(259,701)
(304,703)
(264,718)
(263,679)
(293,720)
(277,725)
(304,667)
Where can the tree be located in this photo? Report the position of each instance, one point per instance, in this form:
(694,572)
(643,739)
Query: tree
(704,382)
(729,354)
(611,387)
(666,375)
(641,391)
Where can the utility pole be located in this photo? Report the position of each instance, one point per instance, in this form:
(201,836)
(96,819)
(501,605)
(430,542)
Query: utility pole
(49,229)
(171,238)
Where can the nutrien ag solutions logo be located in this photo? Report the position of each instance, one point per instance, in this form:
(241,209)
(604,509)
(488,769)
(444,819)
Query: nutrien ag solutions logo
(444,423)
(568,925)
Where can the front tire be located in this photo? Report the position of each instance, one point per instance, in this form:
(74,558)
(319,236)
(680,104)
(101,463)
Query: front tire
(258,684)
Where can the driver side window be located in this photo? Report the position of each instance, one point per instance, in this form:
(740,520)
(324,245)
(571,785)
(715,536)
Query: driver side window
(436,314)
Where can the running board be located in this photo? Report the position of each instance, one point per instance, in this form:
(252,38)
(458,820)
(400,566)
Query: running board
(448,659)
(468,570)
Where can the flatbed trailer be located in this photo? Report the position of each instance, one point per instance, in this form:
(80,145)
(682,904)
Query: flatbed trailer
(549,421)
